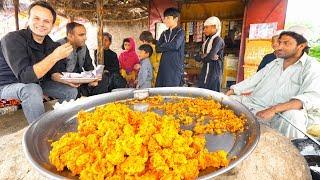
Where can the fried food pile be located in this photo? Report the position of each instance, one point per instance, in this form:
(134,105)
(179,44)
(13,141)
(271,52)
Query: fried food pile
(115,142)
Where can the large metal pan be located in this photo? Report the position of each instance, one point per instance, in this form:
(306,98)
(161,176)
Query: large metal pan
(52,125)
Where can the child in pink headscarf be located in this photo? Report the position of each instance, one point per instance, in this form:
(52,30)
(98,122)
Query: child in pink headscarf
(129,61)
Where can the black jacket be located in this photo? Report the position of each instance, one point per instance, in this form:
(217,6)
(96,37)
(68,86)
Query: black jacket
(111,62)
(266,60)
(171,44)
(19,53)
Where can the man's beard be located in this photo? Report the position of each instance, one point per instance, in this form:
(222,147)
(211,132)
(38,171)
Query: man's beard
(287,55)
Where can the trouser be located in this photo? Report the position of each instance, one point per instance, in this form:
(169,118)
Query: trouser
(210,77)
(298,117)
(31,96)
(86,90)
(214,83)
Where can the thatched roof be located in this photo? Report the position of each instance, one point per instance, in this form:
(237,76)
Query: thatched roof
(8,5)
(128,10)
(113,10)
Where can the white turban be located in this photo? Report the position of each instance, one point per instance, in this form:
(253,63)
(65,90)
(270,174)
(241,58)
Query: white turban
(303,31)
(214,21)
(277,33)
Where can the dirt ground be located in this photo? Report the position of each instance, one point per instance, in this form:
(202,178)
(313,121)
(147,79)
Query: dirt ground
(13,122)
(13,164)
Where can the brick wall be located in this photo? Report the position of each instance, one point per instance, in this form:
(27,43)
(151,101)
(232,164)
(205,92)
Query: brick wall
(119,31)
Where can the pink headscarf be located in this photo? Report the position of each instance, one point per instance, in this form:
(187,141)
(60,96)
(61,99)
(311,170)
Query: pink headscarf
(129,58)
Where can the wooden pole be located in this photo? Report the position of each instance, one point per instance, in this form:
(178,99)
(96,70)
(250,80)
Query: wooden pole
(71,19)
(16,13)
(240,72)
(180,9)
(100,31)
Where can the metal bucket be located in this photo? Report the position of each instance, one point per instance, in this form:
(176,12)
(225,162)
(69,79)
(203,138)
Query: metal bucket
(52,125)
(311,152)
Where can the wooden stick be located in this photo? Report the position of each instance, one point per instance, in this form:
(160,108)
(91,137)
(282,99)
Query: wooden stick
(16,13)
(100,57)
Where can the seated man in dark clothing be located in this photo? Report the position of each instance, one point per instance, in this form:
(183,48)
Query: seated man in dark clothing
(26,60)
(111,64)
(272,56)
(78,61)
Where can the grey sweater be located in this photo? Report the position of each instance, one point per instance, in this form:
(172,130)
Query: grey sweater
(145,74)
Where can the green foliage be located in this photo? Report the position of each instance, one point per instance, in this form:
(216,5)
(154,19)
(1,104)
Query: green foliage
(315,52)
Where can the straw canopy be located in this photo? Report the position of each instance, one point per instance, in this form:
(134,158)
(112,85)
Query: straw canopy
(113,10)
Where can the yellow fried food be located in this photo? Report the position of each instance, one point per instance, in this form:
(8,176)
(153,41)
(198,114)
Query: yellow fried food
(115,142)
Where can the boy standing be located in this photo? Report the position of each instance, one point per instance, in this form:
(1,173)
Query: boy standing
(171,44)
(211,56)
(145,72)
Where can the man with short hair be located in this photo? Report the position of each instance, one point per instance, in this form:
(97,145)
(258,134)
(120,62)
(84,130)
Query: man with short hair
(111,64)
(78,61)
(171,44)
(26,60)
(289,85)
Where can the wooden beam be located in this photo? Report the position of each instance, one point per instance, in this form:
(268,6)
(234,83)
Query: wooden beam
(71,19)
(180,9)
(16,13)
(100,57)
(240,71)
(208,1)
(145,8)
(222,19)
(125,20)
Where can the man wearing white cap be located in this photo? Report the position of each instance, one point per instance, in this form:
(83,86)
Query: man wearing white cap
(268,58)
(289,85)
(211,55)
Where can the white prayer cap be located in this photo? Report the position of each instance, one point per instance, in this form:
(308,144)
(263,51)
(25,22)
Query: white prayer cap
(303,31)
(211,21)
(277,33)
